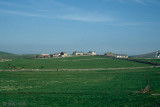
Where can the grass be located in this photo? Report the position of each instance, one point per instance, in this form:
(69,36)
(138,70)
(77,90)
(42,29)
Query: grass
(80,88)
(150,60)
(83,62)
(5,55)
(111,88)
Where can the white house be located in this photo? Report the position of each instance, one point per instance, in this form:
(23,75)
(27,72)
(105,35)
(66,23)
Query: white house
(92,53)
(110,54)
(121,56)
(64,54)
(158,54)
(78,53)
(56,54)
(44,55)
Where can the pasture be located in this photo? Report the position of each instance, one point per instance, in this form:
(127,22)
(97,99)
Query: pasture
(102,88)
(152,60)
(81,62)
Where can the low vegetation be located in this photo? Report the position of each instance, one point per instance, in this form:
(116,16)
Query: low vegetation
(152,60)
(83,62)
(78,88)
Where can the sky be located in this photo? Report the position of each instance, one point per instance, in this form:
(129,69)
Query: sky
(50,26)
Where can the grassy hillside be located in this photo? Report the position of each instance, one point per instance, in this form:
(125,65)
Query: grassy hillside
(5,55)
(80,89)
(157,61)
(148,55)
(83,62)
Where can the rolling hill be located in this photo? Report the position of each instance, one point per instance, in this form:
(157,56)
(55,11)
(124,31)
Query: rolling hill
(148,55)
(6,55)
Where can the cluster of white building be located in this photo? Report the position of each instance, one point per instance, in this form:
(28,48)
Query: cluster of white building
(65,54)
(77,53)
(110,54)
(82,53)
(62,54)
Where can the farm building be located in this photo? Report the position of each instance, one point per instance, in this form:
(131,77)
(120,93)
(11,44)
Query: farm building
(110,54)
(43,56)
(78,53)
(56,54)
(121,56)
(158,54)
(92,53)
(64,54)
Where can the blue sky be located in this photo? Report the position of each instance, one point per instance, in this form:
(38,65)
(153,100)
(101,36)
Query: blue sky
(51,26)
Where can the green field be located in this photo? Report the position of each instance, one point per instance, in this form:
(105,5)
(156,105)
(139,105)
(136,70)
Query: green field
(100,88)
(83,62)
(153,60)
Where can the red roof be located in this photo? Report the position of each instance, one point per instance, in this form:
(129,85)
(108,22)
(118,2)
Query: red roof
(56,54)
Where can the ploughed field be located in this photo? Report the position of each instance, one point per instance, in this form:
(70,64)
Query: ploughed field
(78,88)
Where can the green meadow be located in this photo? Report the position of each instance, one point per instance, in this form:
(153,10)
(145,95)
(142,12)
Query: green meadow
(82,62)
(153,60)
(99,88)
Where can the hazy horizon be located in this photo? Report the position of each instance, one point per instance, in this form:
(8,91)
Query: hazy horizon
(71,52)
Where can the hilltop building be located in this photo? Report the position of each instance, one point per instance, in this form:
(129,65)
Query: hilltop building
(82,53)
(64,54)
(110,54)
(92,53)
(56,54)
(121,56)
(43,56)
(78,53)
(158,54)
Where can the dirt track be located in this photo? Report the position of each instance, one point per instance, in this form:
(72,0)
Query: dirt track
(96,69)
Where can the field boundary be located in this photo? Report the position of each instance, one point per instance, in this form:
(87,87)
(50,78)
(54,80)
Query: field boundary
(96,69)
(144,62)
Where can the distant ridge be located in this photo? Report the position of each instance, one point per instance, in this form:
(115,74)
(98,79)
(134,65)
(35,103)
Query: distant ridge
(148,55)
(6,55)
